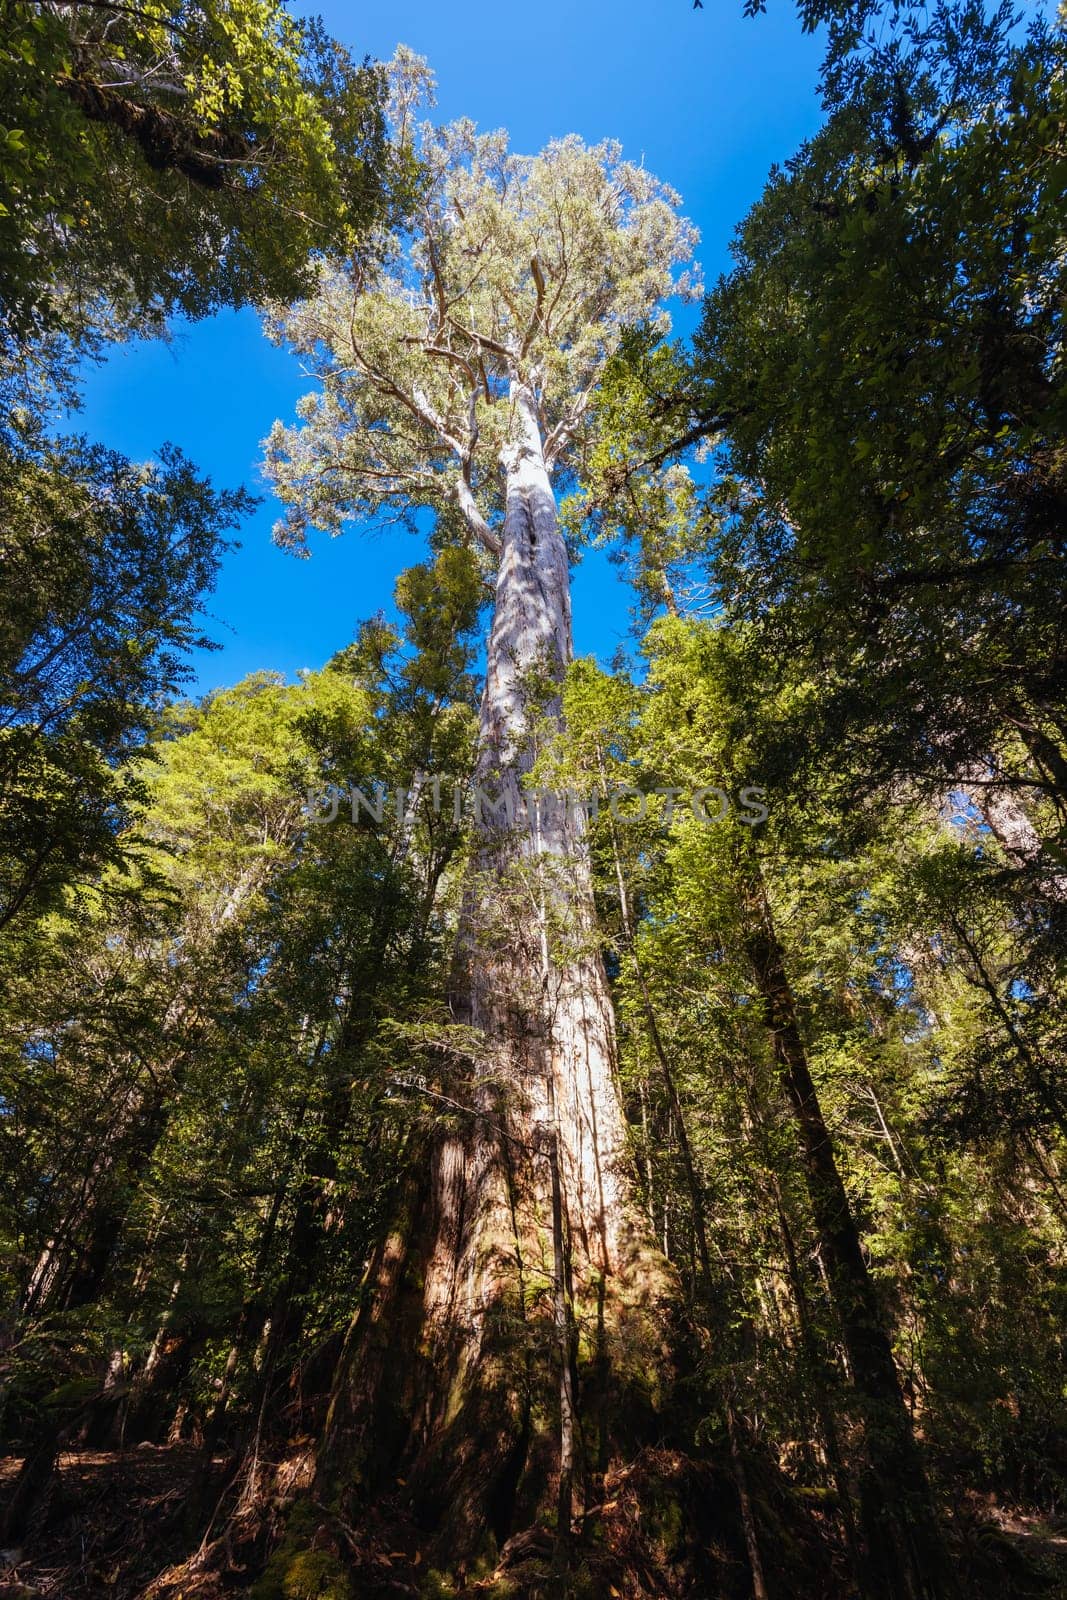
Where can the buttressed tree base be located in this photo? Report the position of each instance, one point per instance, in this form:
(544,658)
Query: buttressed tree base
(517,1327)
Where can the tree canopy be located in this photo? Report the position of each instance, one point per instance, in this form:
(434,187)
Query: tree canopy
(480,1122)
(512,270)
(173,158)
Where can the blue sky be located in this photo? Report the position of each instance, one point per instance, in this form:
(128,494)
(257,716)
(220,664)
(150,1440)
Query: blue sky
(707,98)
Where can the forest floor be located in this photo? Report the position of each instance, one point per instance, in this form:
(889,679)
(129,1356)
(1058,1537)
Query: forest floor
(117,1519)
(114,1520)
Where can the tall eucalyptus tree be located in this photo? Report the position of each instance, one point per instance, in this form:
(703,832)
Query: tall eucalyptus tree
(457,376)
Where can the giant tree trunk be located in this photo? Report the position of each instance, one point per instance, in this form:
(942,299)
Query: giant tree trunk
(479,1313)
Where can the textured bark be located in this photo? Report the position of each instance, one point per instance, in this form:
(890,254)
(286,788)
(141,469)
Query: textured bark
(481,1310)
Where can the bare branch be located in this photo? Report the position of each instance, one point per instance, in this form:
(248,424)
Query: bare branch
(483,341)
(473,517)
(537,320)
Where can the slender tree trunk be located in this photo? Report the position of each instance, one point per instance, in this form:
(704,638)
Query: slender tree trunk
(815,1371)
(478,1408)
(71,1263)
(136,1420)
(1045,753)
(712,1289)
(1036,1074)
(906,1559)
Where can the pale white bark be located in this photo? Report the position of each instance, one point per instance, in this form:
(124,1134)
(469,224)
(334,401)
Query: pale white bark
(546,1014)
(539,1170)
(1007,820)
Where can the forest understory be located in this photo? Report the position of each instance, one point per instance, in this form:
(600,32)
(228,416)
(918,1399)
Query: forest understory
(123,1524)
(475,1121)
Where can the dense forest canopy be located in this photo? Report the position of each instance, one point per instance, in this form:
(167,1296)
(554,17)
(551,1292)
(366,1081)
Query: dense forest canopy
(474,1121)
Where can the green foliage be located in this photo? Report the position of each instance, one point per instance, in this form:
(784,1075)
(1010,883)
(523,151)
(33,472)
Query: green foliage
(160,158)
(929,1023)
(633,495)
(198,1049)
(213,993)
(104,565)
(886,359)
(154,159)
(416,353)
